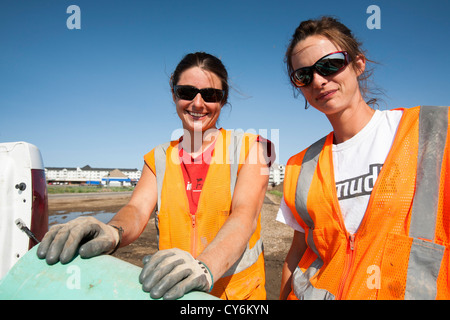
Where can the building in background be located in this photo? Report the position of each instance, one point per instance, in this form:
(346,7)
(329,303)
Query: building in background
(116,178)
(92,176)
(121,177)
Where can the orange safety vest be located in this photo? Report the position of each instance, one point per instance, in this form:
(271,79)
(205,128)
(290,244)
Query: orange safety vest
(401,249)
(177,228)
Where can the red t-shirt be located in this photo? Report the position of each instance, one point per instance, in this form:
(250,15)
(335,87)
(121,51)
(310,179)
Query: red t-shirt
(195,170)
(194,173)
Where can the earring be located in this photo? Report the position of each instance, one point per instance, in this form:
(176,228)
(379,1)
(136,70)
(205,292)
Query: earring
(306,104)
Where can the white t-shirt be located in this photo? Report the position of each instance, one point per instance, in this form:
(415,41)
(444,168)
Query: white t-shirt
(357,163)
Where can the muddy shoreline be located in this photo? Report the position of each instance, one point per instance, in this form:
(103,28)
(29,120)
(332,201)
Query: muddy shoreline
(276,236)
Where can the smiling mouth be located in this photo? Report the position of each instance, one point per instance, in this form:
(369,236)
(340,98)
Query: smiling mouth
(325,94)
(196,114)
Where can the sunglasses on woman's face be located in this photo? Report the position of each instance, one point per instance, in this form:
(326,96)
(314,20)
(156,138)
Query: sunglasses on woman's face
(325,66)
(189,93)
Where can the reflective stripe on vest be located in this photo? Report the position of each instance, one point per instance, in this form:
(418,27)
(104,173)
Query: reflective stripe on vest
(160,168)
(425,256)
(305,177)
(249,256)
(303,289)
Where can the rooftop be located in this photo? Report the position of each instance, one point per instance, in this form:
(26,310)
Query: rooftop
(89,168)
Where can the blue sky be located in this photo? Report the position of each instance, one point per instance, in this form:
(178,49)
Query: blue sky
(100,95)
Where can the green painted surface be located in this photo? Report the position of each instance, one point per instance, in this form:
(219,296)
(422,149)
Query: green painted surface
(102,277)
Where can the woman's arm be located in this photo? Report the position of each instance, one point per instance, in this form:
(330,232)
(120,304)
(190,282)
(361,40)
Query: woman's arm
(63,241)
(298,248)
(248,198)
(171,273)
(134,216)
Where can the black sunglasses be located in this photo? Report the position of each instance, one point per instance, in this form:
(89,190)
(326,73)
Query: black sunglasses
(325,66)
(189,93)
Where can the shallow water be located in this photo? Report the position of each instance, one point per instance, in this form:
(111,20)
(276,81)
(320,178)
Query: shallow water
(64,216)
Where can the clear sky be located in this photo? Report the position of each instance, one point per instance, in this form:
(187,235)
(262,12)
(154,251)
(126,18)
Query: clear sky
(100,95)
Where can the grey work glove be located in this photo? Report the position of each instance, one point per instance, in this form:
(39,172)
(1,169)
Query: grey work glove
(61,242)
(172,273)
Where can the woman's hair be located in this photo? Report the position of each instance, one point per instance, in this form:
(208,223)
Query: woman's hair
(205,61)
(341,36)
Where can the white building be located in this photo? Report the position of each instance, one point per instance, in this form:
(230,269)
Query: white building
(88,175)
(121,177)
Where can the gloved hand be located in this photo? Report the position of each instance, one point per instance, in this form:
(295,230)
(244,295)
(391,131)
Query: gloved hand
(172,273)
(62,241)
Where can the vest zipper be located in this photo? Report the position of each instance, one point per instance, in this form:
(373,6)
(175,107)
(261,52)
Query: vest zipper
(348,264)
(193,235)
